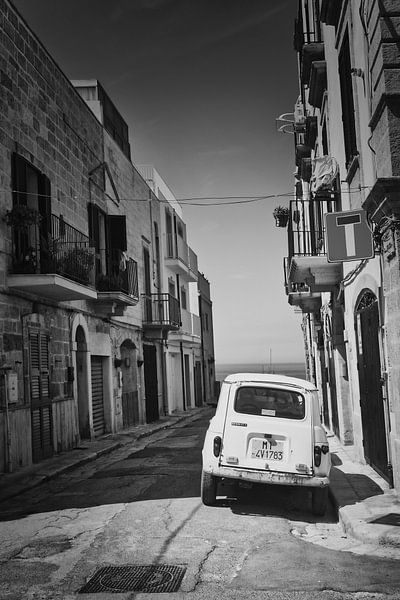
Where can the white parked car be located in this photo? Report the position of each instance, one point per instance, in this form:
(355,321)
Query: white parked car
(267,429)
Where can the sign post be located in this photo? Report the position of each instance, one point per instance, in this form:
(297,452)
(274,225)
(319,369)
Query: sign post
(348,236)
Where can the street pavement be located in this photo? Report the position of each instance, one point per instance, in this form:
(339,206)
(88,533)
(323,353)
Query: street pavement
(367,508)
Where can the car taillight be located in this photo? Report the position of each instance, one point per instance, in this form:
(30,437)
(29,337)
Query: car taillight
(318,451)
(217,445)
(317,455)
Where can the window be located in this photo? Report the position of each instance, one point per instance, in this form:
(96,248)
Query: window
(31,188)
(269,402)
(171,287)
(108,236)
(346,93)
(98,236)
(183,298)
(325,151)
(170,239)
(146,270)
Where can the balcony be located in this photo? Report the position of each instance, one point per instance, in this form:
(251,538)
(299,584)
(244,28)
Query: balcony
(307,263)
(180,258)
(317,83)
(302,152)
(116,282)
(311,131)
(330,11)
(311,52)
(161,314)
(52,259)
(304,34)
(300,295)
(190,329)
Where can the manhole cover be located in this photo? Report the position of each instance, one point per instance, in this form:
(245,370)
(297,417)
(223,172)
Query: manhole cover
(389,519)
(135,578)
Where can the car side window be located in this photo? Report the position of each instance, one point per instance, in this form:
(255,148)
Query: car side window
(269,402)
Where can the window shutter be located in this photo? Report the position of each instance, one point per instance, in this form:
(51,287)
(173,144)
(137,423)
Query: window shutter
(34,368)
(39,368)
(117,232)
(146,267)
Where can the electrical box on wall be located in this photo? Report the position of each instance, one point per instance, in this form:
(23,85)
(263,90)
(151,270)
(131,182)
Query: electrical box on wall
(12,387)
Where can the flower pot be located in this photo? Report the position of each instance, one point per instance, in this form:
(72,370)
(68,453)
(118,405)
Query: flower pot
(281,220)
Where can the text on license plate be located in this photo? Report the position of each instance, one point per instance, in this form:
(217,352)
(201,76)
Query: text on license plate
(267,449)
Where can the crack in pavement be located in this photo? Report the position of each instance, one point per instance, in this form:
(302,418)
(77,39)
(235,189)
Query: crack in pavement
(197,576)
(167,516)
(175,532)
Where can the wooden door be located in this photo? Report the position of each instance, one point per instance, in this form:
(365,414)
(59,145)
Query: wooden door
(198,388)
(188,395)
(97,395)
(369,374)
(151,383)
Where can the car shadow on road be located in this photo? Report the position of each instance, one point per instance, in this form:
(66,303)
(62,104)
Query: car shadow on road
(273,501)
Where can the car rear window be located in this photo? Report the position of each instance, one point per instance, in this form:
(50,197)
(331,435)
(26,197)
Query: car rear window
(269,402)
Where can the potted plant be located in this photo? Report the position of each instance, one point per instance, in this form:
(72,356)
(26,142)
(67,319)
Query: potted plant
(22,216)
(76,263)
(281,216)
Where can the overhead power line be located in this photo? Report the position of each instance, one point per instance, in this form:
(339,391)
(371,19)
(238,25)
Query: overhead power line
(200,200)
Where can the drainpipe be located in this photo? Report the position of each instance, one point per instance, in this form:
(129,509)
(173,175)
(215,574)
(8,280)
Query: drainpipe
(164,377)
(183,377)
(203,361)
(7,422)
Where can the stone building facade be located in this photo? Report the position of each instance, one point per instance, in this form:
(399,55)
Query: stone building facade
(80,262)
(346,125)
(207,338)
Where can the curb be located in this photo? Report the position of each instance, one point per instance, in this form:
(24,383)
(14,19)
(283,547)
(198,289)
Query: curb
(39,478)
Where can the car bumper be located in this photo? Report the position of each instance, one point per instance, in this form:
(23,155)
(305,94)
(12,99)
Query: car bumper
(270,477)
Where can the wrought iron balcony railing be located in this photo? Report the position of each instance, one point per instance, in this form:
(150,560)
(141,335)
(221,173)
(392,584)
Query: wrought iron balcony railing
(44,247)
(115,272)
(292,287)
(305,33)
(306,227)
(161,310)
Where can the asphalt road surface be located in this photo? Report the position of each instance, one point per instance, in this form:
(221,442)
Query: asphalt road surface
(139,508)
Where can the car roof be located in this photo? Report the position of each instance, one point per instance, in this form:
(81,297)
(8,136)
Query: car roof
(270,378)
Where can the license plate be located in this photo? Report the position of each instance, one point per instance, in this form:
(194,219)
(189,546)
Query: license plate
(267,449)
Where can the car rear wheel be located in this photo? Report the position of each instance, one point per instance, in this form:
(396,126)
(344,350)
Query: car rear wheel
(208,489)
(319,501)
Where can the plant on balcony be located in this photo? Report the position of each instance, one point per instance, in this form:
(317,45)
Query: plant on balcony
(281,216)
(26,262)
(22,216)
(76,263)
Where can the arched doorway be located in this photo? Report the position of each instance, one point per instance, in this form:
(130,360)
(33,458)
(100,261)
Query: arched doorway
(130,396)
(370,381)
(82,382)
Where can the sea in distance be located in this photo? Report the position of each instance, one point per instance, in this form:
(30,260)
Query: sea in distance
(292,369)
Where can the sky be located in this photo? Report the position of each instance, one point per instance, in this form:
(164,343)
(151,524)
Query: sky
(200,84)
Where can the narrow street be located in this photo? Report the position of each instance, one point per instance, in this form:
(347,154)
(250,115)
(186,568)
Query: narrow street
(140,505)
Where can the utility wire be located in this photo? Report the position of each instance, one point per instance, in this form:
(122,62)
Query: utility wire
(196,200)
